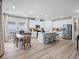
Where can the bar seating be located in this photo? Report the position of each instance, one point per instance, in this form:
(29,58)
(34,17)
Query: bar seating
(77,41)
(49,38)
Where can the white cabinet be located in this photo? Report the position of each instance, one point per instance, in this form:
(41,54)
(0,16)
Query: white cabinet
(40,37)
(34,34)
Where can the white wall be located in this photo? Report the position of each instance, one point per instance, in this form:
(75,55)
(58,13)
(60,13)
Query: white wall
(60,23)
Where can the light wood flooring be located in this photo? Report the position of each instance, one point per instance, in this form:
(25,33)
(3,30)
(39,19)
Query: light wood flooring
(63,49)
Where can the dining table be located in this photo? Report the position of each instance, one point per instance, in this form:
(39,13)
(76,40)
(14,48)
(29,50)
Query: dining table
(19,38)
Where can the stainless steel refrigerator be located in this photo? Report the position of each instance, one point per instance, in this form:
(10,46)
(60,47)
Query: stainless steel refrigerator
(67,31)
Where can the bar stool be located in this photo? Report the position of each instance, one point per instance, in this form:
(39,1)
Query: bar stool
(77,41)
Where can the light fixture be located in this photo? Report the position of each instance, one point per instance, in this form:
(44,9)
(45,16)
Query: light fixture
(61,16)
(21,12)
(10,13)
(46,15)
(77,11)
(31,12)
(13,7)
(25,15)
(52,18)
(37,16)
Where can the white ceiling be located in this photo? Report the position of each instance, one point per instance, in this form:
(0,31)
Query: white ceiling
(41,8)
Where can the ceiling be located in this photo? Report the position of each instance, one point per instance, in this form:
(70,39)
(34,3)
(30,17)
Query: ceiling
(41,8)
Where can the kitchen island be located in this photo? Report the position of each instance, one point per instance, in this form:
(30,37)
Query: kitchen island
(46,37)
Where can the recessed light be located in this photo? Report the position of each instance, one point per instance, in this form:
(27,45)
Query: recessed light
(46,15)
(61,16)
(31,12)
(13,7)
(25,15)
(77,11)
(21,12)
(10,12)
(37,16)
(52,18)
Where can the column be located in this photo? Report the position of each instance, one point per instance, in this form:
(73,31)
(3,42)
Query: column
(1,31)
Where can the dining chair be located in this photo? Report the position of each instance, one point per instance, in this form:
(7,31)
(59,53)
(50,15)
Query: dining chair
(15,41)
(27,40)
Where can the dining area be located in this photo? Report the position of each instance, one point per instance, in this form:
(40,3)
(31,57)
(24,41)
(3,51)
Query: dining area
(22,39)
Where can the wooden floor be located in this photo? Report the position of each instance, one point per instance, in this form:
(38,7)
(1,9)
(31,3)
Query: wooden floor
(63,49)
